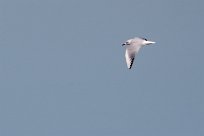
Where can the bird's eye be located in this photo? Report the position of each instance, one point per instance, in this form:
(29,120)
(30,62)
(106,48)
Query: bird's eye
(127,43)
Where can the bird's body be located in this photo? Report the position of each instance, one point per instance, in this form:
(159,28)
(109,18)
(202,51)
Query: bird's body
(132,48)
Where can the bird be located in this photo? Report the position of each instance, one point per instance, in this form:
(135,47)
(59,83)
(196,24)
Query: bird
(132,48)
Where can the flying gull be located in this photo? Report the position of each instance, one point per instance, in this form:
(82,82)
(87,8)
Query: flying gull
(132,48)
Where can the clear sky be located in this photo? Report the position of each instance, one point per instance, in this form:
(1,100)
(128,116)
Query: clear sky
(63,71)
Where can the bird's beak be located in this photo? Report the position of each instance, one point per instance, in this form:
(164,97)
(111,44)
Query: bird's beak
(123,44)
(148,42)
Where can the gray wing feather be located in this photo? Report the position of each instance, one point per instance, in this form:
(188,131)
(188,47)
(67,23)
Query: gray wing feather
(130,53)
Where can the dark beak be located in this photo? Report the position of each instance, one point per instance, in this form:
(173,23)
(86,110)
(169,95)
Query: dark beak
(123,44)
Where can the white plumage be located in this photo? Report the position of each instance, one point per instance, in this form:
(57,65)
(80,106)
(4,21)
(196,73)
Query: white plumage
(132,48)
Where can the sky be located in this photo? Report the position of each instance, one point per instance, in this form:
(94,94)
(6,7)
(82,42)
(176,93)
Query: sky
(63,71)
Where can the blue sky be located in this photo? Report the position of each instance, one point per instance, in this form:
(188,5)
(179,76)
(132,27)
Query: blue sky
(63,70)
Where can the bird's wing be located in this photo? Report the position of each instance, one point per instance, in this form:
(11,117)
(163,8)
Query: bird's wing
(130,53)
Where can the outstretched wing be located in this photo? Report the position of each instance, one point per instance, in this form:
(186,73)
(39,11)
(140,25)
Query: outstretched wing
(130,53)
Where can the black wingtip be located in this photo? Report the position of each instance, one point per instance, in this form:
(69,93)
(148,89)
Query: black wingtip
(131,63)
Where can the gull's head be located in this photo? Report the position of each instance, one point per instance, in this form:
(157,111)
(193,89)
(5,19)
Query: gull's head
(147,42)
(128,42)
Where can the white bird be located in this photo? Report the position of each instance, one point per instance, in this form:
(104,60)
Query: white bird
(132,48)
